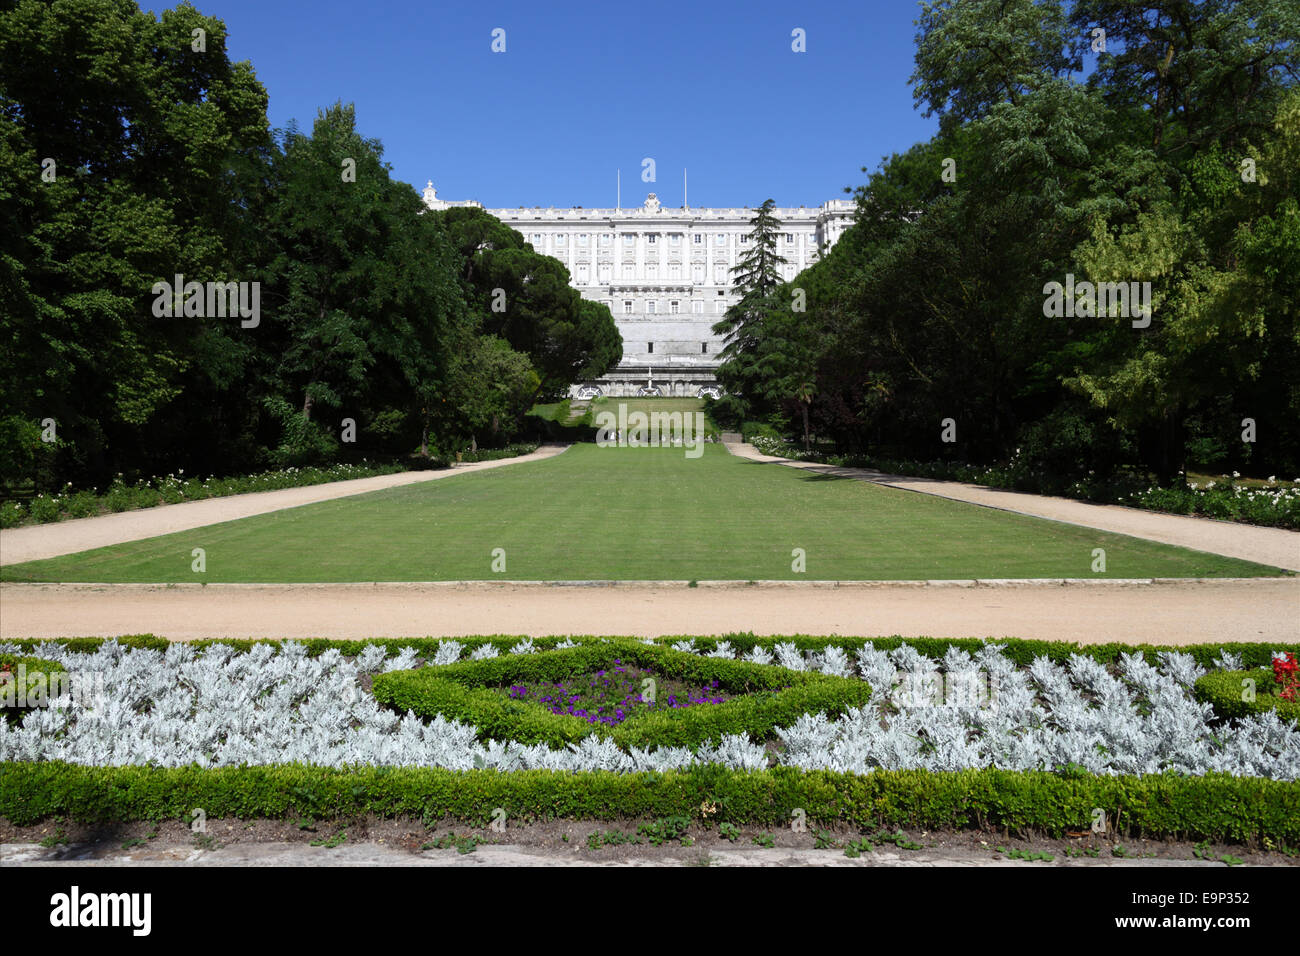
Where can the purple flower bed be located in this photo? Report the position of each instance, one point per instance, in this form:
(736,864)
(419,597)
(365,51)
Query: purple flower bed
(611,697)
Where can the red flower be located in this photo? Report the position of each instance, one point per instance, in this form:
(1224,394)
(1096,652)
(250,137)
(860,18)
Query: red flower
(1287,673)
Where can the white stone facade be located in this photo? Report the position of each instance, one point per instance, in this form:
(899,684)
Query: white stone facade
(665,275)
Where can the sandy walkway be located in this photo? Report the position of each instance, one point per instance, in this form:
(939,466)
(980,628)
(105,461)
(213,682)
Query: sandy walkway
(1165,612)
(81,534)
(1273,546)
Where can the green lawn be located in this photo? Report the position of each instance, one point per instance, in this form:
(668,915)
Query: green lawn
(632,513)
(648,404)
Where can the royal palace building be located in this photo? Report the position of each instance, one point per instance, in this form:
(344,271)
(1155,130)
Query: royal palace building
(665,274)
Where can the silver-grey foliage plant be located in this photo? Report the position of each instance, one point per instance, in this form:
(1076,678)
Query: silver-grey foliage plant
(217,707)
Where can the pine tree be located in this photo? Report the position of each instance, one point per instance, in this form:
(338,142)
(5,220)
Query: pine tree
(756,275)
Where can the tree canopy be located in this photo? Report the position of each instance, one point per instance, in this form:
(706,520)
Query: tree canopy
(1172,163)
(134,152)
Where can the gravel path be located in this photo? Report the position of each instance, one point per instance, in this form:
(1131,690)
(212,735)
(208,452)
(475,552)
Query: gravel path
(1164,612)
(81,534)
(1272,546)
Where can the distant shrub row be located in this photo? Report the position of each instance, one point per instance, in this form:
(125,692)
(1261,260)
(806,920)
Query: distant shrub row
(1276,506)
(173,489)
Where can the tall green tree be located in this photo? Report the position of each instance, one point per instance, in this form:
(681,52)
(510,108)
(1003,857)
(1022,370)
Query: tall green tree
(359,289)
(126,157)
(525,298)
(755,276)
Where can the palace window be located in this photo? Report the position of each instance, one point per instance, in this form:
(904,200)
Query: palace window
(604,238)
(604,272)
(652,238)
(627,306)
(675,270)
(650,307)
(721,239)
(650,346)
(629,271)
(789,237)
(628,238)
(582,238)
(719,307)
(744,240)
(719,273)
(560,238)
(673,307)
(675,239)
(697,272)
(704,348)
(697,307)
(582,274)
(699,239)
(652,270)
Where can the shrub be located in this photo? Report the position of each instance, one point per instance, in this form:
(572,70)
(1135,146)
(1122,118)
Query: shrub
(12,514)
(496,454)
(83,504)
(45,508)
(771,696)
(1214,807)
(39,674)
(1225,691)
(751,430)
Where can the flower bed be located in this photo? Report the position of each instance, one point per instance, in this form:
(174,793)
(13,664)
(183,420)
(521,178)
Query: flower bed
(1235,693)
(1054,732)
(173,489)
(765,698)
(612,696)
(215,706)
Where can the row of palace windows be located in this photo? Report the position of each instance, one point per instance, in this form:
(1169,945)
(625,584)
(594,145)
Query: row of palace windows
(674,307)
(629,238)
(605,272)
(721,272)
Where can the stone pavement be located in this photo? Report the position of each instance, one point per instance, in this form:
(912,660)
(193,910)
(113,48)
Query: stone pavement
(376,854)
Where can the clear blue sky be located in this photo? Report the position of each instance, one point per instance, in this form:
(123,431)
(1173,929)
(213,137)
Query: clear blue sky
(587,88)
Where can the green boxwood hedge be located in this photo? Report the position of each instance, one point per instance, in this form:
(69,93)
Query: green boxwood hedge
(40,675)
(1018,650)
(1223,690)
(770,696)
(1214,807)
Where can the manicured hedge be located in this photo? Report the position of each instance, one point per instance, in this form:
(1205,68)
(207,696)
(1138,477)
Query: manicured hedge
(39,675)
(1215,807)
(1018,650)
(30,665)
(773,696)
(1223,691)
(425,646)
